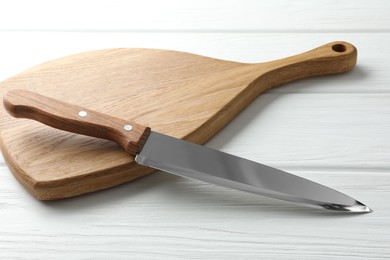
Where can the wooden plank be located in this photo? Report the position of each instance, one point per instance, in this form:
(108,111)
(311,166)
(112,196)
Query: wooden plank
(303,132)
(331,132)
(201,15)
(370,76)
(168,217)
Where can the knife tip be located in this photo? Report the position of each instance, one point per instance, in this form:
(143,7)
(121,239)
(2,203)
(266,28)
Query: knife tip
(368,210)
(360,208)
(357,207)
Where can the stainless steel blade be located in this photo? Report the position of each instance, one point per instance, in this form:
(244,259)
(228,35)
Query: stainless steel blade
(199,162)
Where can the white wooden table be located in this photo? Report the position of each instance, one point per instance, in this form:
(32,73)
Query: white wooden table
(334,130)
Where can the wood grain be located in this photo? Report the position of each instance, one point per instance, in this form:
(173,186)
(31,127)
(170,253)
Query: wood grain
(190,97)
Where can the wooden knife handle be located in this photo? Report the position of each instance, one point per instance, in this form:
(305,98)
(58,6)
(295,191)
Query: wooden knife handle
(75,119)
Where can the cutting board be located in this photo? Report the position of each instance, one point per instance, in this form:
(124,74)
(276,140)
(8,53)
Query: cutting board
(180,94)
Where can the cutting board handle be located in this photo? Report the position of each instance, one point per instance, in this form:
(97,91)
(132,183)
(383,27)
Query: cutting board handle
(75,119)
(331,58)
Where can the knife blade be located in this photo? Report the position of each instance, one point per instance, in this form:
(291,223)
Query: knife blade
(180,157)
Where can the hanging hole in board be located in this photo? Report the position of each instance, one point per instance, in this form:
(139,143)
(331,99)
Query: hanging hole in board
(339,48)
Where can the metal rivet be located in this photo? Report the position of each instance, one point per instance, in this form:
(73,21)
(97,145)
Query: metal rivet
(83,114)
(128,128)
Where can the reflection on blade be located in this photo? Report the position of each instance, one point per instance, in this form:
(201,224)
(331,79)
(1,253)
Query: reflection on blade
(198,162)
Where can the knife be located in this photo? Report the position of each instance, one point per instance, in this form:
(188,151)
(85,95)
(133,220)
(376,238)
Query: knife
(179,157)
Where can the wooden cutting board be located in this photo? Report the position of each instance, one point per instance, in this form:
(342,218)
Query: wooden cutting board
(180,94)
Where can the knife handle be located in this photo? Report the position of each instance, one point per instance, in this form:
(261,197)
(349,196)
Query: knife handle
(25,104)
